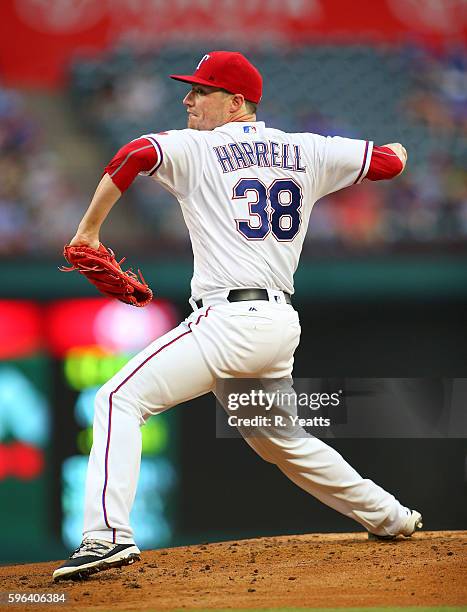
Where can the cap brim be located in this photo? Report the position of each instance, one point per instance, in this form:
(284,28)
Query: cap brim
(189,78)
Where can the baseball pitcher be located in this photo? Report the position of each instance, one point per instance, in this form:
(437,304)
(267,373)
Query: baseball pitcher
(246,192)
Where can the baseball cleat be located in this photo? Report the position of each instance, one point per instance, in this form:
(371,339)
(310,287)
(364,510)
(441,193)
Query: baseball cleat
(95,556)
(414,522)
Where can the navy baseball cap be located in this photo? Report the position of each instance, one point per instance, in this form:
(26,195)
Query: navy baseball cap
(227,70)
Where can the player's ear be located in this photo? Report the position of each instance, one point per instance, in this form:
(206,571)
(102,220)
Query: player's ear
(237,102)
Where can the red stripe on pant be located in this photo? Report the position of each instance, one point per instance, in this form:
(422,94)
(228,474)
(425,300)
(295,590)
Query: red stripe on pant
(109,429)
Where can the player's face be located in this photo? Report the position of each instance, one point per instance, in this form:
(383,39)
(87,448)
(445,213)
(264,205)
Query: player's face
(207,107)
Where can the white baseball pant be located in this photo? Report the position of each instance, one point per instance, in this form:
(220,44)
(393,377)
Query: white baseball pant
(220,340)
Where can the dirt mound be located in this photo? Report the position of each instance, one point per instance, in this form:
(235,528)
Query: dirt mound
(318,570)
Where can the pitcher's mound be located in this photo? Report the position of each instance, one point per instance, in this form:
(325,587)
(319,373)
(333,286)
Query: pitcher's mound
(315,571)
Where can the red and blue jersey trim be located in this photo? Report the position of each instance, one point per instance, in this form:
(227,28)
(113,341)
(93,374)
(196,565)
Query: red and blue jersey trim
(364,163)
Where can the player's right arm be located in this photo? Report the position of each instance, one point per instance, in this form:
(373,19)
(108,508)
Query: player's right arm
(339,162)
(135,157)
(387,162)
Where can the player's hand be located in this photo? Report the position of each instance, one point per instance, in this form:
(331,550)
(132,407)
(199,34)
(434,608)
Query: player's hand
(400,151)
(89,240)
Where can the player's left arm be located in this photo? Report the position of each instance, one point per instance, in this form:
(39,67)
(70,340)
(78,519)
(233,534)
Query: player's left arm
(387,162)
(135,157)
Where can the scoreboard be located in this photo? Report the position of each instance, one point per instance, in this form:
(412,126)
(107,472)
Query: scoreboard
(53,359)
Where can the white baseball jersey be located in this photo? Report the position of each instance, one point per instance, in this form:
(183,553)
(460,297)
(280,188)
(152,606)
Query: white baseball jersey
(246,193)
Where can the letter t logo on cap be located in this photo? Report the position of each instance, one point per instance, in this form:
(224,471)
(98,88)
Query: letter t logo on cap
(203,59)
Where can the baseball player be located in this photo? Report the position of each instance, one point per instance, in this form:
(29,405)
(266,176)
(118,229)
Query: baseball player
(246,192)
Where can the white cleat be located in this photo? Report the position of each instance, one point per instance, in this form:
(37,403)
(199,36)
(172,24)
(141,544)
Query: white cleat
(414,523)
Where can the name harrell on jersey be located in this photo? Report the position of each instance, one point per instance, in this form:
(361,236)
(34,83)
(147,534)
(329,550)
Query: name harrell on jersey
(246,193)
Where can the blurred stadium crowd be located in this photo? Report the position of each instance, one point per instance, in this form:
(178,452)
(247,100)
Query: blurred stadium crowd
(406,95)
(38,204)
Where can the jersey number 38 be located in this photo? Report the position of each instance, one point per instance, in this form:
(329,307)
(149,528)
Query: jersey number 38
(276,208)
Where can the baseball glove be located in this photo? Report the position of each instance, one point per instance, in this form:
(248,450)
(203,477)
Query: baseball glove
(101,269)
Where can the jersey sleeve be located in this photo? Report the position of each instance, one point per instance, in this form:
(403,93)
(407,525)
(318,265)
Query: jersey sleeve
(136,157)
(384,165)
(338,162)
(180,161)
